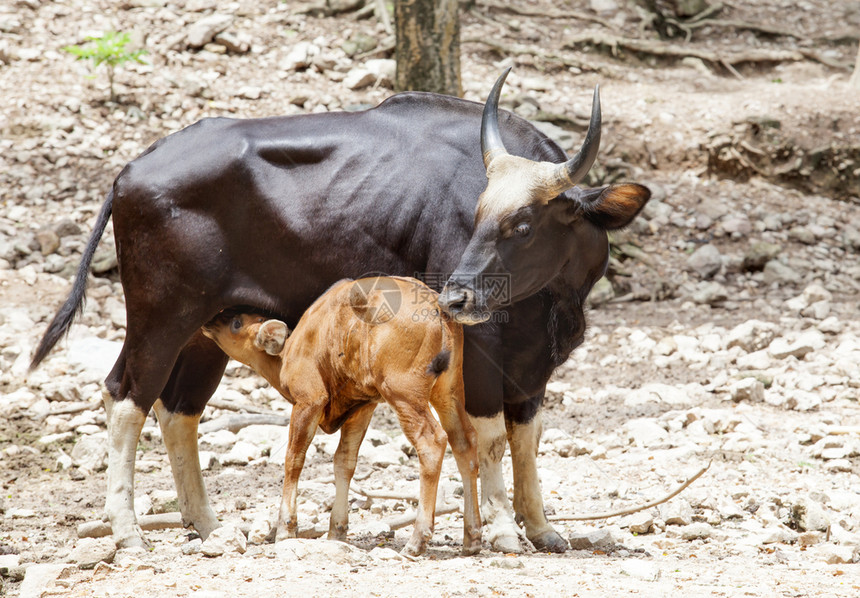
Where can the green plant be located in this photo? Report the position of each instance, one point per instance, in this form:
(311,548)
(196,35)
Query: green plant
(110,50)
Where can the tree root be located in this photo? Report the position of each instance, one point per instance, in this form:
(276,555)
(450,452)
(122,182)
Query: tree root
(630,510)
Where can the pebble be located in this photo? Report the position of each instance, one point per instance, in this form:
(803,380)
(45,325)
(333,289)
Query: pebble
(88,552)
(323,551)
(225,539)
(597,539)
(696,531)
(705,261)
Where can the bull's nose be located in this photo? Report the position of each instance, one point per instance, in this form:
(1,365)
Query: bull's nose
(455,298)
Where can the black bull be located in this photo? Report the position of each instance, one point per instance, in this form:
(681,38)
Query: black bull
(268,213)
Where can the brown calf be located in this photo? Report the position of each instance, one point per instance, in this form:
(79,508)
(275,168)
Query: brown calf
(362,342)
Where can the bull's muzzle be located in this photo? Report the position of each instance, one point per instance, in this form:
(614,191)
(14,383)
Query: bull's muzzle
(459,302)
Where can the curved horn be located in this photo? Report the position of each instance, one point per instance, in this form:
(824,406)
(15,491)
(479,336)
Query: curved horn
(574,170)
(491,137)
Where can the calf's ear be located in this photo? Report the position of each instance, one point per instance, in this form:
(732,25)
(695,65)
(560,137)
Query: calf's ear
(272,336)
(614,206)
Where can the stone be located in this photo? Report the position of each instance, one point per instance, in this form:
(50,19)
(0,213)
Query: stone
(752,335)
(676,512)
(639,523)
(758,255)
(383,455)
(384,69)
(808,341)
(641,569)
(241,453)
(778,534)
(802,400)
(38,578)
(597,539)
(324,551)
(833,554)
(237,44)
(223,540)
(710,293)
(359,78)
(164,501)
(380,553)
(262,529)
(779,273)
(300,57)
(645,432)
(747,390)
(705,261)
(602,292)
(48,241)
(738,225)
(696,531)
(204,30)
(88,552)
(90,452)
(808,515)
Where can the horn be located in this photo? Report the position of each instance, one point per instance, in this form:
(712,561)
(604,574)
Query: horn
(491,138)
(574,170)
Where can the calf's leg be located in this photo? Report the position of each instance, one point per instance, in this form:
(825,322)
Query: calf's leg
(351,435)
(303,425)
(429,440)
(447,399)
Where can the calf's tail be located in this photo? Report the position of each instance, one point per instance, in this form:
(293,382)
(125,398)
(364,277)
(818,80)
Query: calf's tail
(74,303)
(442,359)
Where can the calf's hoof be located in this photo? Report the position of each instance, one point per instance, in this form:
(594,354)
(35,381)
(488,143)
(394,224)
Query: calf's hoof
(471,542)
(413,549)
(550,541)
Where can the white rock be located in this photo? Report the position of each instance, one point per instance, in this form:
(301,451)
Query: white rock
(142,505)
(801,400)
(359,78)
(383,69)
(836,555)
(641,569)
(385,554)
(88,552)
(696,531)
(90,452)
(747,389)
(219,439)
(38,578)
(645,432)
(324,551)
(601,538)
(261,529)
(300,57)
(676,512)
(808,515)
(384,455)
(207,460)
(752,335)
(223,540)
(241,453)
(203,31)
(705,261)
(810,340)
(164,501)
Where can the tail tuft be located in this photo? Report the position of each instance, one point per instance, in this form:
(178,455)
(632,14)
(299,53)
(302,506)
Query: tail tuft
(439,363)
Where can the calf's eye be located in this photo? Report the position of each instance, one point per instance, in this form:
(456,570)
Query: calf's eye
(236,325)
(522,230)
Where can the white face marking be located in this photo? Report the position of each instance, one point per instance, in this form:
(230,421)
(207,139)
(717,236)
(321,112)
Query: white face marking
(514,183)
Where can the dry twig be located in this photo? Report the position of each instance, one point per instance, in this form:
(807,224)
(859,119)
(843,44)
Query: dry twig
(552,14)
(100,529)
(620,512)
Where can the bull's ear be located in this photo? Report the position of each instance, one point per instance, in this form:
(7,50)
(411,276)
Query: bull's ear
(614,206)
(272,336)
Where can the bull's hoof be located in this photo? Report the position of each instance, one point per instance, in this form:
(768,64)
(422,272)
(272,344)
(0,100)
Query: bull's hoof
(550,541)
(133,541)
(507,543)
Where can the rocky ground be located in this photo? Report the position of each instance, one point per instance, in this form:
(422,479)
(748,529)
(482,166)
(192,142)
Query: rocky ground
(726,333)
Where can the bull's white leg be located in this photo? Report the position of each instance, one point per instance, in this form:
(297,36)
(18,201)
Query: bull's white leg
(180,439)
(124,422)
(528,501)
(502,531)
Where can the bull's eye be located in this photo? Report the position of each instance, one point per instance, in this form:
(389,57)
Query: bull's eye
(235,325)
(523,229)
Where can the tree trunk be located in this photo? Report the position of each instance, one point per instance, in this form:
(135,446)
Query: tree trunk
(427,46)
(854,81)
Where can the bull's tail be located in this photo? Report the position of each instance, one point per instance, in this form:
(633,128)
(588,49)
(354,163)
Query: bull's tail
(442,359)
(74,303)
